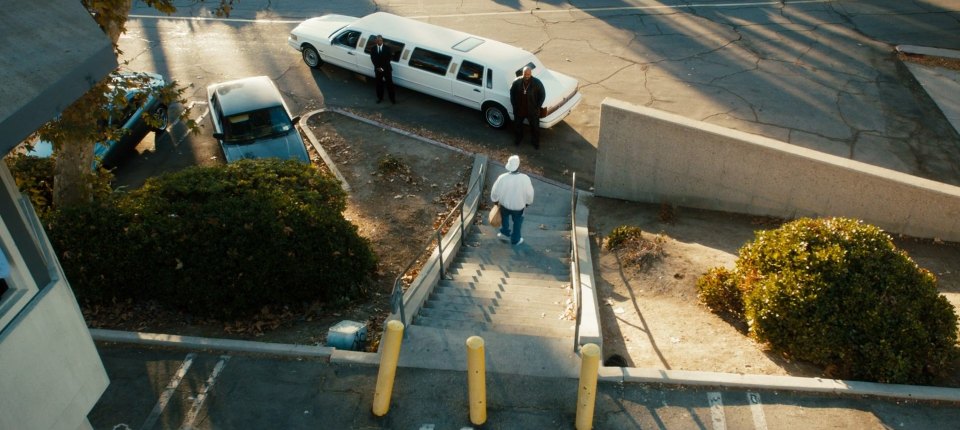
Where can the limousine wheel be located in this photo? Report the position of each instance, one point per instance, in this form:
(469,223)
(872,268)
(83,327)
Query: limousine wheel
(495,115)
(311,57)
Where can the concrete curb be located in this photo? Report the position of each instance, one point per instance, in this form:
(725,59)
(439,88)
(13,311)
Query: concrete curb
(607,374)
(923,50)
(775,382)
(313,141)
(227,345)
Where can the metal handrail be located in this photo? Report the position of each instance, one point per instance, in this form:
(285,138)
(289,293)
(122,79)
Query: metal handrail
(396,297)
(575,263)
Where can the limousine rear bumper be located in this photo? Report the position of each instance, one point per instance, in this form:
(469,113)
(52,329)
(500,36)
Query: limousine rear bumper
(559,114)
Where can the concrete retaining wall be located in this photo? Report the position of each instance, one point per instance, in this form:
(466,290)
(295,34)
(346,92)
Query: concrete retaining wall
(652,156)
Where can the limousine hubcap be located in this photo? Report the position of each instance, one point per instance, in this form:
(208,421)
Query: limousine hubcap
(495,116)
(311,57)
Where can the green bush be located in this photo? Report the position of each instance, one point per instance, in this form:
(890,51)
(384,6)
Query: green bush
(717,290)
(218,241)
(622,235)
(838,293)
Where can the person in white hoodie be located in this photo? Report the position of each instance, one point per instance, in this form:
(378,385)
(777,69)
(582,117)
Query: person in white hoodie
(513,191)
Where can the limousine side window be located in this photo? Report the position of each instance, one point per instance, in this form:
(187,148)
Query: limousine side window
(470,72)
(349,38)
(395,47)
(433,62)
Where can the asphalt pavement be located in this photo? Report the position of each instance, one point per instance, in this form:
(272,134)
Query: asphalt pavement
(165,388)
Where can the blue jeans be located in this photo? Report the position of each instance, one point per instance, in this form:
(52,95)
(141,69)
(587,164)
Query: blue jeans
(505,216)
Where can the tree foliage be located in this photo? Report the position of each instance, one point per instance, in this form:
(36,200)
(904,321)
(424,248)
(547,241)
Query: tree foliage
(74,133)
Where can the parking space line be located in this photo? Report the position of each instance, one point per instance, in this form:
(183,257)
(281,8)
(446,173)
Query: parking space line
(198,401)
(168,392)
(756,408)
(190,105)
(716,410)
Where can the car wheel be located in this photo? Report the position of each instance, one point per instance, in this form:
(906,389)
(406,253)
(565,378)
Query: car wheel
(160,113)
(495,115)
(311,57)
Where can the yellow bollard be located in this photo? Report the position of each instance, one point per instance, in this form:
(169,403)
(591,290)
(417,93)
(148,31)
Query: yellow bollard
(389,356)
(476,380)
(587,395)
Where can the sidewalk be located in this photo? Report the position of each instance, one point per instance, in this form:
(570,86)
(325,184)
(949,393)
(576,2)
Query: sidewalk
(943,85)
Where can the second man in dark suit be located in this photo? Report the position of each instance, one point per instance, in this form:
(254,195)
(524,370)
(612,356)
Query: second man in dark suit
(527,96)
(381,57)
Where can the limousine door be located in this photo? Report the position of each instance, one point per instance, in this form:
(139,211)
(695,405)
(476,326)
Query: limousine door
(468,84)
(343,50)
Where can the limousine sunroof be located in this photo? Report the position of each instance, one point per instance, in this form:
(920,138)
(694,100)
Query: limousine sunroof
(467,44)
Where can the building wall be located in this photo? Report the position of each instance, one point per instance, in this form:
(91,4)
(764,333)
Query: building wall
(652,156)
(51,373)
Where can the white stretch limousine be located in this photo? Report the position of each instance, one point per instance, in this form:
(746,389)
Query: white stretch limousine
(449,64)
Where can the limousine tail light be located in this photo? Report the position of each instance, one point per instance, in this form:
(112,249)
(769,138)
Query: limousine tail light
(545,112)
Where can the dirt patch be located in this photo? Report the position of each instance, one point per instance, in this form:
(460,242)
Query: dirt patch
(651,317)
(930,60)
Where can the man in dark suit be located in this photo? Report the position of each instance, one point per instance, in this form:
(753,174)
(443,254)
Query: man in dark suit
(381,57)
(527,96)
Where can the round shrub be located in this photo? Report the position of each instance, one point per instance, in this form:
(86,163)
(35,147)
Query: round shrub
(219,241)
(717,290)
(838,293)
(622,235)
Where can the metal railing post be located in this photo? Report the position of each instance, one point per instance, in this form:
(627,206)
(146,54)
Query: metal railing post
(440,254)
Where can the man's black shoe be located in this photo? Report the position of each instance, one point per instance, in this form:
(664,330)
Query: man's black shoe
(379,100)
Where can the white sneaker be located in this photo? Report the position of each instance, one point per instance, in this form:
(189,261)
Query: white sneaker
(502,237)
(521,241)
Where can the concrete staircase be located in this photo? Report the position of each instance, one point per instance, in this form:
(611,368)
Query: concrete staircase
(492,286)
(517,298)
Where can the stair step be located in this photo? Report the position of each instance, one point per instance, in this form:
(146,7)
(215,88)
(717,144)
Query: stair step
(533,217)
(550,308)
(548,289)
(537,295)
(473,326)
(486,231)
(453,300)
(540,319)
(496,275)
(543,266)
(505,252)
(468,281)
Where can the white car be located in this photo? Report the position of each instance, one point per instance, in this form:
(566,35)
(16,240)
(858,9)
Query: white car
(251,120)
(469,70)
